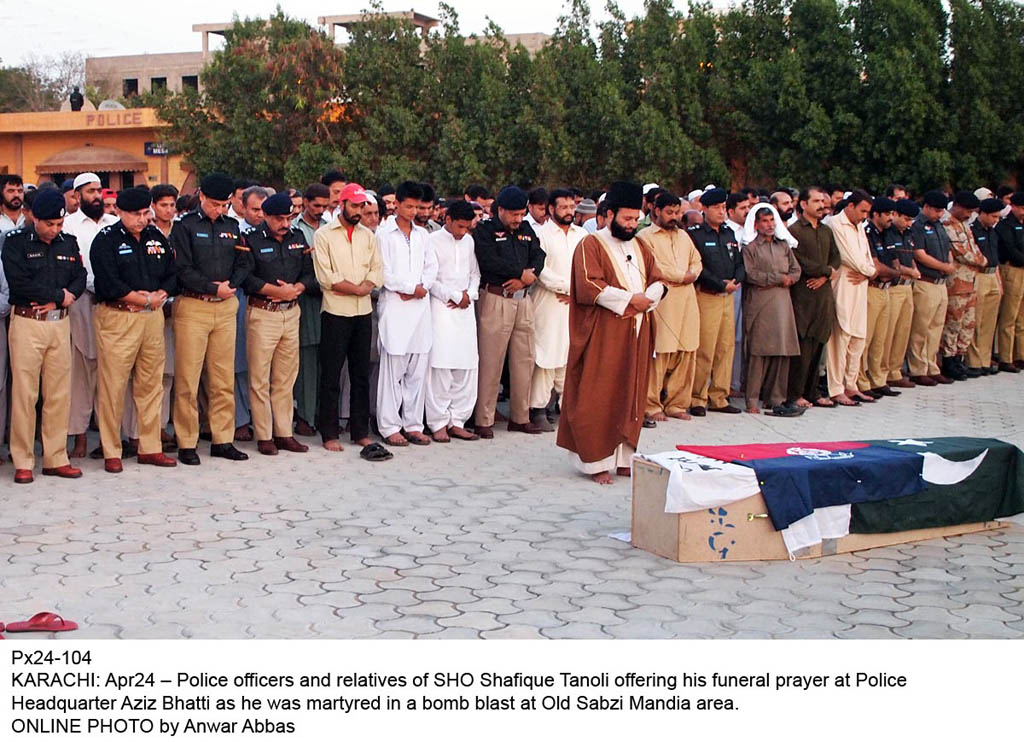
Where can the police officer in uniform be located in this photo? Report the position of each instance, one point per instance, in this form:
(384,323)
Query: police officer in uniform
(901,293)
(280,267)
(210,259)
(134,274)
(1010,328)
(986,283)
(45,274)
(874,368)
(721,277)
(932,253)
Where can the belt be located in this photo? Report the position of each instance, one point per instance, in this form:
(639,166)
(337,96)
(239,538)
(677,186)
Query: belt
(881,284)
(992,269)
(270,305)
(201,297)
(51,316)
(940,279)
(498,290)
(124,306)
(710,292)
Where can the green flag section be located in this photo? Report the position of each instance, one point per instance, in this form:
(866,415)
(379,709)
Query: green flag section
(971,480)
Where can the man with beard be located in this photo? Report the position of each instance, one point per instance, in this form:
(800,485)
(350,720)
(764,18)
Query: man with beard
(615,286)
(783,203)
(210,258)
(314,204)
(510,259)
(874,363)
(85,224)
(348,267)
(44,271)
(279,268)
(677,318)
(386,193)
(135,275)
(410,269)
(425,210)
(986,282)
(721,275)
(12,199)
(768,324)
(558,239)
(814,304)
(961,318)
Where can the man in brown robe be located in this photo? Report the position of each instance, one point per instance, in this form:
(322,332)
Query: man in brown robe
(768,324)
(614,287)
(814,303)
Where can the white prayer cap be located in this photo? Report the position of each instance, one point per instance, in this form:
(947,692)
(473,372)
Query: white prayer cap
(847,194)
(709,187)
(781,233)
(85,179)
(983,193)
(601,198)
(650,186)
(694,194)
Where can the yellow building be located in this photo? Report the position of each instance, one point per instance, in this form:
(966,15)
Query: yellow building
(124,147)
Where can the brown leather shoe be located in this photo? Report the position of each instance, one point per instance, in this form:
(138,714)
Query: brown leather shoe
(530,428)
(243,433)
(23,476)
(267,448)
(1009,368)
(924,380)
(940,379)
(157,459)
(112,466)
(67,472)
(485,431)
(903,384)
(290,444)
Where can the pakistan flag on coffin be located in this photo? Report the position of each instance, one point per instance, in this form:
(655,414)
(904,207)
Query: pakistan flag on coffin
(967,480)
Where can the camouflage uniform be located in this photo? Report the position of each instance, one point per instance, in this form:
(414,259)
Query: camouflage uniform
(963,298)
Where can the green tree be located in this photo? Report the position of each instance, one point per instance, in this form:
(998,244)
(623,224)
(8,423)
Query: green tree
(276,85)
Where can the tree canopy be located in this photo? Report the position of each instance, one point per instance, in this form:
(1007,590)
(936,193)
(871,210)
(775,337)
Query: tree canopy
(768,92)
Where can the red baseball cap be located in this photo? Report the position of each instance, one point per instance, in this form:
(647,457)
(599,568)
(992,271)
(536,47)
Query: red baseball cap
(355,193)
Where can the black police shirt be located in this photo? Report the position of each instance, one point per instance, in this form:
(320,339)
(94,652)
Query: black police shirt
(720,255)
(39,272)
(932,238)
(988,242)
(208,250)
(1011,241)
(122,264)
(269,261)
(504,254)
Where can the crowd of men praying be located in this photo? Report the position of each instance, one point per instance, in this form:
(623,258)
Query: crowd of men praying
(241,313)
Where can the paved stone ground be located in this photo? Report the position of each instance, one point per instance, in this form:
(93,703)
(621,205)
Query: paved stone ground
(493,539)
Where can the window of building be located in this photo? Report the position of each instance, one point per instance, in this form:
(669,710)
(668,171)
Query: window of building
(190,82)
(130,87)
(127,180)
(157,84)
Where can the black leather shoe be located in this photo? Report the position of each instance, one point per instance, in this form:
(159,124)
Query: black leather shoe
(885,391)
(728,409)
(1008,368)
(227,451)
(698,411)
(188,457)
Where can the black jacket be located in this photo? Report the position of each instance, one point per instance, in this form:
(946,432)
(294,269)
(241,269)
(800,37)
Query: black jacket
(206,251)
(503,254)
(268,260)
(39,272)
(720,254)
(121,264)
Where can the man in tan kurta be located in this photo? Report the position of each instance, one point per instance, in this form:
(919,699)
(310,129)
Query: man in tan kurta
(615,286)
(769,325)
(846,344)
(678,317)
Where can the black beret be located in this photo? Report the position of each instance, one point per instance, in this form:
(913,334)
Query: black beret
(966,199)
(218,186)
(133,199)
(625,195)
(714,196)
(1017,199)
(935,199)
(511,198)
(906,207)
(48,204)
(991,206)
(882,204)
(278,205)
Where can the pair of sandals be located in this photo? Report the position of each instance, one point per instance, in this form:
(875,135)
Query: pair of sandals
(45,621)
(375,452)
